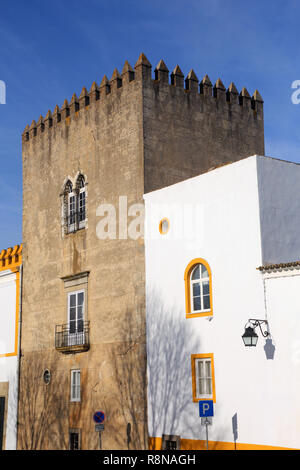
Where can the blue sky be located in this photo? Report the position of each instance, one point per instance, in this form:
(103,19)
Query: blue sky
(49,50)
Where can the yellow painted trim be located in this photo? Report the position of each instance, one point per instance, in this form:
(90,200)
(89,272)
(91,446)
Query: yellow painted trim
(11,259)
(155,443)
(15,352)
(187,275)
(160,226)
(17,311)
(203,356)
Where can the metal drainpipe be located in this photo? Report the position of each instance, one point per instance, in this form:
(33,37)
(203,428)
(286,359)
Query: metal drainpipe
(19,350)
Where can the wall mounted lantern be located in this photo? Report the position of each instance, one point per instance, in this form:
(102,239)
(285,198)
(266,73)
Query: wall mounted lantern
(250,338)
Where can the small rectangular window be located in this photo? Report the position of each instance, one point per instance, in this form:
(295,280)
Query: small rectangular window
(203,377)
(170,442)
(74,439)
(75,385)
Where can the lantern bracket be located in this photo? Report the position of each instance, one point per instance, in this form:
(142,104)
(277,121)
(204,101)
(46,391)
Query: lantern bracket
(255,323)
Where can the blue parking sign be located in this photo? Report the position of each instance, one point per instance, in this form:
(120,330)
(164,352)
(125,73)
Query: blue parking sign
(206,408)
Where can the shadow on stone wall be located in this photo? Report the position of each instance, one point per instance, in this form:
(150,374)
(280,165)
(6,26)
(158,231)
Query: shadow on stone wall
(42,411)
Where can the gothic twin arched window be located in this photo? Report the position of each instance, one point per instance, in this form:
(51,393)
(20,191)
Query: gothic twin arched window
(74,210)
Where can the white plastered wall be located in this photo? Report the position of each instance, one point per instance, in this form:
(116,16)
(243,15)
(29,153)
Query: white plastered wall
(8,356)
(228,237)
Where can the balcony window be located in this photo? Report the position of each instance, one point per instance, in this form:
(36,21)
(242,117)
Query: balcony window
(73,335)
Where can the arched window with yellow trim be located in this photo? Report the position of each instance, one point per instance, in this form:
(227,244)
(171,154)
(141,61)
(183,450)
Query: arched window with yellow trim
(198,289)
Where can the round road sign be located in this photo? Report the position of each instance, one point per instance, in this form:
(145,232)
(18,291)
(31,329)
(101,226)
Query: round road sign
(99,417)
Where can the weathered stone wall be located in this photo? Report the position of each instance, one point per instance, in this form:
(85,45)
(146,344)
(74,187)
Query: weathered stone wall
(189,130)
(103,141)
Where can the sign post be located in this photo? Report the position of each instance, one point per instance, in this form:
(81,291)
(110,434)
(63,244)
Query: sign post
(206,412)
(99,418)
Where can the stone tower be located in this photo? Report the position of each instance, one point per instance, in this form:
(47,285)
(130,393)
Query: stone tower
(83,318)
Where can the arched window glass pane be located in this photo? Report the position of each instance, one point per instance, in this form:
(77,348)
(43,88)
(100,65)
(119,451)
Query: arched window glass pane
(196,272)
(196,289)
(204,272)
(80,182)
(200,289)
(197,304)
(205,285)
(206,302)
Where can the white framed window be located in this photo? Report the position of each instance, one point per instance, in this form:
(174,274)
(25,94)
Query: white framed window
(204,378)
(81,201)
(75,385)
(76,304)
(74,205)
(200,289)
(81,208)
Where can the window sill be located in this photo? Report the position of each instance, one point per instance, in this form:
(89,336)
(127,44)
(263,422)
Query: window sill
(199,314)
(69,232)
(196,400)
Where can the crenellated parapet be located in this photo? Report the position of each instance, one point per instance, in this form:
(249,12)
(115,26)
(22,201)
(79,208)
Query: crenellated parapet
(214,95)
(11,258)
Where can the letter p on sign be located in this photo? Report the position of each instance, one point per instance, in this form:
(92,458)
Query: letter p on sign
(206,408)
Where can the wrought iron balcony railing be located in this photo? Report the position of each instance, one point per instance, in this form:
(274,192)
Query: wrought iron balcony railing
(72,338)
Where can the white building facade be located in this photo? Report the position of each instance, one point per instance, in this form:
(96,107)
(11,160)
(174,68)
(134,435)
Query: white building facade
(205,240)
(10,310)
